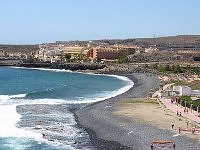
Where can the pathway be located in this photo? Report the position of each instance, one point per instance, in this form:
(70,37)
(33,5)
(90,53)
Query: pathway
(173,107)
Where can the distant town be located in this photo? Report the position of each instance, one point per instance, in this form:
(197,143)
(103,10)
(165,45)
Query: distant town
(162,49)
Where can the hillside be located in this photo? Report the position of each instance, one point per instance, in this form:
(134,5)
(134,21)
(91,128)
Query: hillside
(180,39)
(21,48)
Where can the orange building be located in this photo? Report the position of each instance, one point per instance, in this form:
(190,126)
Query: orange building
(92,53)
(108,54)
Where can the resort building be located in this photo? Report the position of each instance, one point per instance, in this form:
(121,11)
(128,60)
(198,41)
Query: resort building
(110,52)
(107,53)
(73,50)
(92,54)
(185,90)
(76,51)
(50,52)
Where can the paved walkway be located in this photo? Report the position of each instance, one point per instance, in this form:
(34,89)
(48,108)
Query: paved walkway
(173,107)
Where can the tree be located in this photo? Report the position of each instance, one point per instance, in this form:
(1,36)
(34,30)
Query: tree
(123,59)
(67,56)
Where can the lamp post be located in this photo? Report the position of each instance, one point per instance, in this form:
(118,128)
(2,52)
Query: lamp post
(185,104)
(191,107)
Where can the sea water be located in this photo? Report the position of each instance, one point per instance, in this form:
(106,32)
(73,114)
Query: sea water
(27,106)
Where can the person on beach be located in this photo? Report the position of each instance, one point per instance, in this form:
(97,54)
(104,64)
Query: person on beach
(180,114)
(179,130)
(193,130)
(172,125)
(187,124)
(151,146)
(177,113)
(174,145)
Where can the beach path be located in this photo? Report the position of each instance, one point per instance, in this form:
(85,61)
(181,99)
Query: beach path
(173,107)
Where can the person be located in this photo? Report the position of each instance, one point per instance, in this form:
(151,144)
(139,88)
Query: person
(151,146)
(180,114)
(187,124)
(179,130)
(174,146)
(193,130)
(172,126)
(177,113)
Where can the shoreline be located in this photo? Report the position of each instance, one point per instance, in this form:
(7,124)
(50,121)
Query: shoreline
(96,142)
(99,142)
(97,119)
(105,129)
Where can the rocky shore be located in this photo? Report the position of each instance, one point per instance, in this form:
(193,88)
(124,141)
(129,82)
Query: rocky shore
(66,66)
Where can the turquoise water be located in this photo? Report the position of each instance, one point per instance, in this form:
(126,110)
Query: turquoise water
(21,86)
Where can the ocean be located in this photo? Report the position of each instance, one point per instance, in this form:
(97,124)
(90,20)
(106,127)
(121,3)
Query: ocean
(35,106)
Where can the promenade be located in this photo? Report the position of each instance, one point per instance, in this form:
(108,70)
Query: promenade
(191,115)
(174,107)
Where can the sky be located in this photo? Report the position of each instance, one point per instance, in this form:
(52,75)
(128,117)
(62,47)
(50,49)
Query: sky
(39,21)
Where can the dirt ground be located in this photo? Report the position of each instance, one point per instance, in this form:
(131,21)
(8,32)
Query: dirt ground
(157,115)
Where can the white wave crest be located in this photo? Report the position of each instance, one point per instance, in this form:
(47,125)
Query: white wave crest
(8,124)
(7,97)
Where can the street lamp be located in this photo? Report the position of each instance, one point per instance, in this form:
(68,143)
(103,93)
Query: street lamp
(191,107)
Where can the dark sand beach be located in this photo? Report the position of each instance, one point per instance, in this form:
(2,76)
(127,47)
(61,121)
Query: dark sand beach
(104,126)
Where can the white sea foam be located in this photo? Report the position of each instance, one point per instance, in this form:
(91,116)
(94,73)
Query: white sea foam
(44,101)
(8,120)
(22,101)
(7,97)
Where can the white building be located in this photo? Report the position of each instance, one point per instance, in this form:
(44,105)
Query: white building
(185,90)
(50,52)
(195,93)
